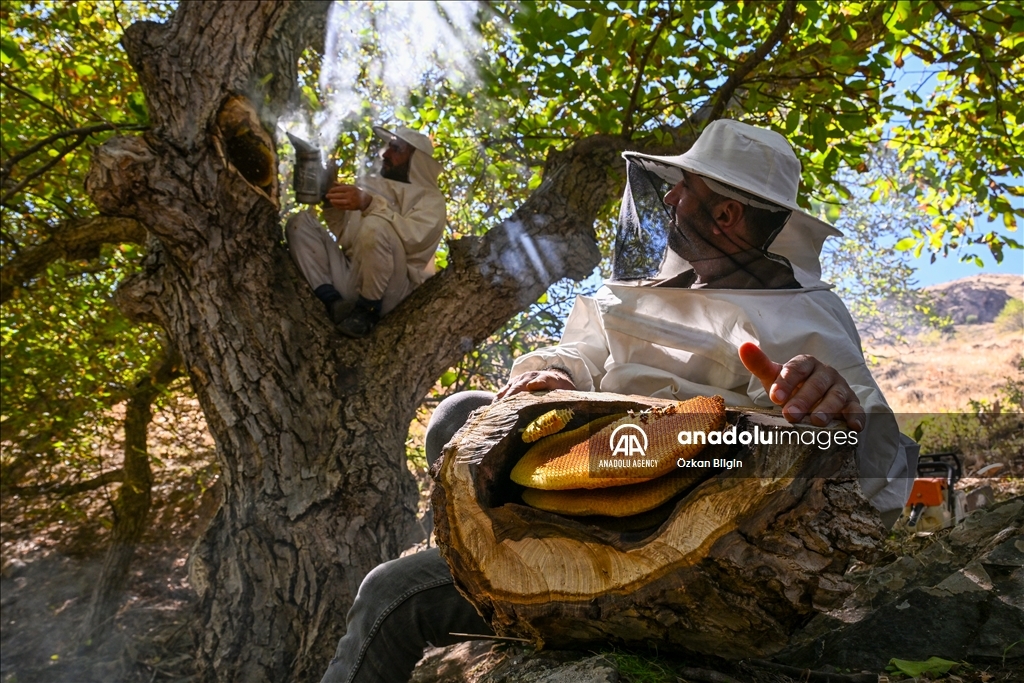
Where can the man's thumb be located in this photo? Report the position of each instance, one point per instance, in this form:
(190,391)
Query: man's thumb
(759,364)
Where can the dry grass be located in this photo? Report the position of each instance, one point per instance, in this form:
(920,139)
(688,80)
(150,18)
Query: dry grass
(936,373)
(933,373)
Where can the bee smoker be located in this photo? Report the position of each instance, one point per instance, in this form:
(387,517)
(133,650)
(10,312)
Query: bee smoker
(310,179)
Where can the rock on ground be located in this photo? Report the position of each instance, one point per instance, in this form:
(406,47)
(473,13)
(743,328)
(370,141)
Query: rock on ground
(484,661)
(961,597)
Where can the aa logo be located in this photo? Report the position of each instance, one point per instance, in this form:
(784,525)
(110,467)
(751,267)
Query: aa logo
(628,441)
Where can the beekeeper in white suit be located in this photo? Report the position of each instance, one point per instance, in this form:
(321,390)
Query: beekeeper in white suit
(386,230)
(724,278)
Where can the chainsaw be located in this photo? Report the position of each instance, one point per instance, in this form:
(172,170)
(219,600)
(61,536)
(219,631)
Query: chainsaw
(933,503)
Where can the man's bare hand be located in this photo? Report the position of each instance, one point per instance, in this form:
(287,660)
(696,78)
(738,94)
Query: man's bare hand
(348,198)
(805,386)
(537,380)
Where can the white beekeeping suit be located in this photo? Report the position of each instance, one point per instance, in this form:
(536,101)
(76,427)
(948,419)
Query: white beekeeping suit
(679,342)
(385,251)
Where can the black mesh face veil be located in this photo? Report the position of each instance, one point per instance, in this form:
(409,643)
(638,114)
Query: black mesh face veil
(649,245)
(641,240)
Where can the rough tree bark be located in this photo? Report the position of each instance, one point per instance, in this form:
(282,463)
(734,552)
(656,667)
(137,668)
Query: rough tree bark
(309,427)
(134,497)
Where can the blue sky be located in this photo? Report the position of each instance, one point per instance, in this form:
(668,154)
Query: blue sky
(946,269)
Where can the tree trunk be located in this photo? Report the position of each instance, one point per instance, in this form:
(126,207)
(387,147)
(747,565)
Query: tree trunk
(131,508)
(309,427)
(730,566)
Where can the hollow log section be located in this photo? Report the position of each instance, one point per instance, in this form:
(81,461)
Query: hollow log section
(730,567)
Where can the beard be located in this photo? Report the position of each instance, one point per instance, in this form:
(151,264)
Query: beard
(687,236)
(397,173)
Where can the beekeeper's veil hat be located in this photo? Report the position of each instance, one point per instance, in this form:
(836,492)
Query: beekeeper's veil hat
(424,169)
(755,166)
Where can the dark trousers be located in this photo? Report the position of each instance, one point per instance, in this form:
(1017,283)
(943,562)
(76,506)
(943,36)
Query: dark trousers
(406,604)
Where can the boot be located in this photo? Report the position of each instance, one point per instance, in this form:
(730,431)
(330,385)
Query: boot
(339,309)
(361,321)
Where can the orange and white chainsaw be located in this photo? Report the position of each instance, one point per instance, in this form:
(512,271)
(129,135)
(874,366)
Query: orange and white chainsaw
(933,503)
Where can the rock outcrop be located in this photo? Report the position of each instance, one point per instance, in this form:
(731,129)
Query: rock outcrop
(976,299)
(961,597)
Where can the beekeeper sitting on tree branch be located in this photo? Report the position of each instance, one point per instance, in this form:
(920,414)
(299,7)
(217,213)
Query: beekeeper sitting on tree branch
(716,277)
(387,227)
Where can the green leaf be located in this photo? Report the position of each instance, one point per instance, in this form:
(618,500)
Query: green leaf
(599,32)
(9,52)
(792,120)
(918,432)
(820,133)
(448,378)
(905,244)
(137,104)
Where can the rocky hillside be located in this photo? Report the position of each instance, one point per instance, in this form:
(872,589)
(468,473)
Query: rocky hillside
(976,299)
(939,372)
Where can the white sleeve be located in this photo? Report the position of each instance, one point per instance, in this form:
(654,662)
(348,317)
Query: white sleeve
(822,327)
(419,226)
(337,220)
(582,352)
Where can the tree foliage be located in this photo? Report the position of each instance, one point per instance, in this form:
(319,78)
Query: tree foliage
(961,146)
(640,69)
(876,280)
(69,355)
(65,75)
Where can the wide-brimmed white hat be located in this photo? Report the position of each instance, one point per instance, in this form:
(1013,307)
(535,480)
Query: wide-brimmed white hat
(761,163)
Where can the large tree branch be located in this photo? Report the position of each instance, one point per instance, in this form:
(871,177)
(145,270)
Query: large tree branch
(725,93)
(63,489)
(250,52)
(276,71)
(182,105)
(41,170)
(73,240)
(10,162)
